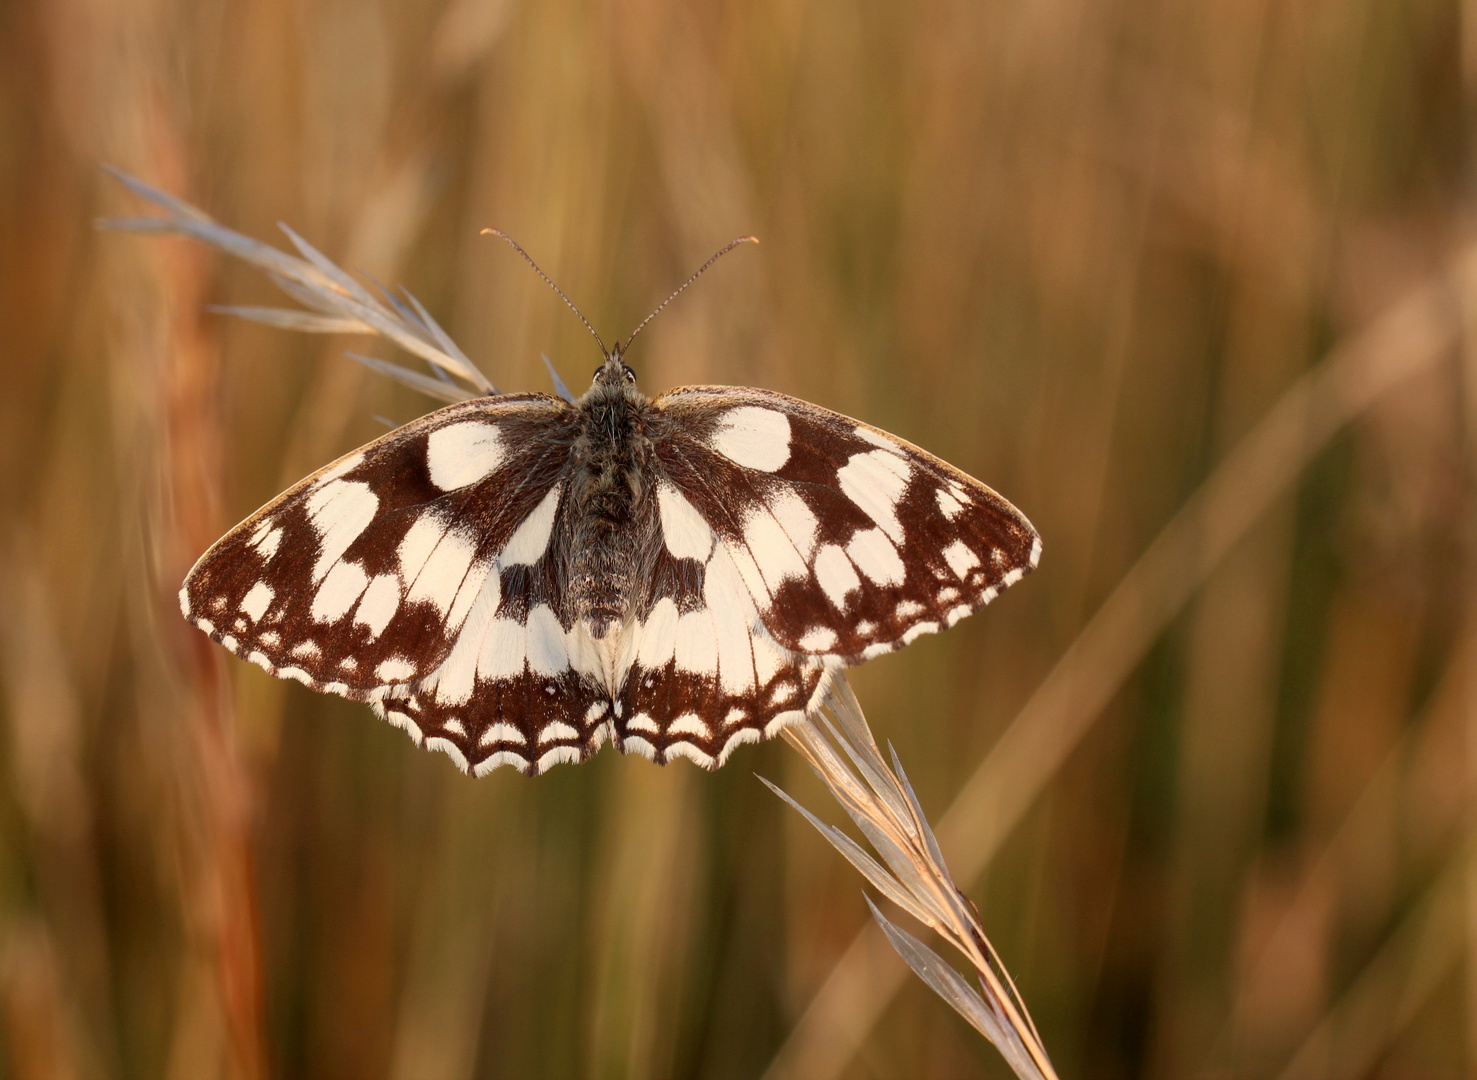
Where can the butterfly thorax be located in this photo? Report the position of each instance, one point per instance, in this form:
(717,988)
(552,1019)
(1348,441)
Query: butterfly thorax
(614,521)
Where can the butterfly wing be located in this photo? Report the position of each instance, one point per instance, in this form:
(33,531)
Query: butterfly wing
(414,571)
(849,541)
(792,541)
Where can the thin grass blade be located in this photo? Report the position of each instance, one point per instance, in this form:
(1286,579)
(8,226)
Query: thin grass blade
(842,702)
(217,236)
(869,868)
(154,195)
(311,297)
(963,998)
(920,820)
(905,867)
(436,388)
(855,738)
(874,771)
(292,319)
(319,285)
(443,339)
(559,387)
(413,321)
(328,267)
(826,763)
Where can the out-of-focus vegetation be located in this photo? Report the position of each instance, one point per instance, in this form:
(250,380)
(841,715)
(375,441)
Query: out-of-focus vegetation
(1084,249)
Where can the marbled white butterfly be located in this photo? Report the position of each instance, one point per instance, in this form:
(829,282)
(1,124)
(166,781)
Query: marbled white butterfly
(514,579)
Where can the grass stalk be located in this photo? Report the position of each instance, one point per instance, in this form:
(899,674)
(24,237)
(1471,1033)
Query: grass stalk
(1408,338)
(838,745)
(333,301)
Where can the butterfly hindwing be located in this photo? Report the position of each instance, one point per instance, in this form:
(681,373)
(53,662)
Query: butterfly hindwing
(523,683)
(700,675)
(850,541)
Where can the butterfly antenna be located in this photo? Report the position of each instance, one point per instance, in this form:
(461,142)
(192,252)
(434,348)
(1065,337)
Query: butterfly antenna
(514,245)
(724,250)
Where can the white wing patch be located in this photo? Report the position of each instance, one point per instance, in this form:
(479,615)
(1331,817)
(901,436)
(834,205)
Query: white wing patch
(462,454)
(340,510)
(836,574)
(772,549)
(686,534)
(531,539)
(338,592)
(796,518)
(455,679)
(697,644)
(961,558)
(689,724)
(754,437)
(417,544)
(657,642)
(395,669)
(378,604)
(875,481)
(818,639)
(556,731)
(501,732)
(547,652)
(256,602)
(439,577)
(875,556)
(266,539)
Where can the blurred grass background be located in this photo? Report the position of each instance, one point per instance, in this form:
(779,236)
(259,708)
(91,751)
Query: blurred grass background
(1080,248)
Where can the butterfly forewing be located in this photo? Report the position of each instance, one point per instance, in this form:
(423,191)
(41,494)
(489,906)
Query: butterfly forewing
(849,541)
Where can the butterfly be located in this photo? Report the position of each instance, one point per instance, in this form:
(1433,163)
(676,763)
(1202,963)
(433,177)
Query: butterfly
(516,579)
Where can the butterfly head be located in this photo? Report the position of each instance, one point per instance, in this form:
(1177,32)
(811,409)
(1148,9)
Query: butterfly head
(614,382)
(615,371)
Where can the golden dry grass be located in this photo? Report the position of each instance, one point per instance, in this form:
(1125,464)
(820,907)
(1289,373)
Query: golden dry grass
(1186,281)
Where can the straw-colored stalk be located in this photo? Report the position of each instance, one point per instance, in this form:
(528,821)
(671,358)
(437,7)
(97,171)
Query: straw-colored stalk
(1408,338)
(881,802)
(336,302)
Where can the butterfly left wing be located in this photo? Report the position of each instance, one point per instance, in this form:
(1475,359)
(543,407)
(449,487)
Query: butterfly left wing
(420,574)
(849,541)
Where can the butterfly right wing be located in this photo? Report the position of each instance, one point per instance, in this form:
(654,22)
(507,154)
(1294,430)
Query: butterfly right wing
(376,576)
(793,541)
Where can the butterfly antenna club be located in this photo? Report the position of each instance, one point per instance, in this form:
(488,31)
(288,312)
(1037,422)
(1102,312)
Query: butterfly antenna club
(724,250)
(550,282)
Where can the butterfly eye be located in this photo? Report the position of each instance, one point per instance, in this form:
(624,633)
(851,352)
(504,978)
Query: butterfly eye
(630,375)
(598,370)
